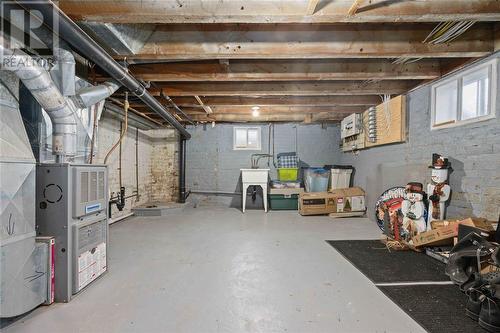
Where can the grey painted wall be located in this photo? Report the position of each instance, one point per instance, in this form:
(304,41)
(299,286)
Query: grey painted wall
(474,151)
(213,165)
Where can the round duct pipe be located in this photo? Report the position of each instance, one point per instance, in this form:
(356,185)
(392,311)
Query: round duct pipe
(75,36)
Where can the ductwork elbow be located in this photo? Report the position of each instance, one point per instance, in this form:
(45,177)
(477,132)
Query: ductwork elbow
(63,74)
(89,96)
(60,110)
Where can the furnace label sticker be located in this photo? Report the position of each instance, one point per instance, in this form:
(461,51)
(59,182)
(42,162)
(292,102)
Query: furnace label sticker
(91,264)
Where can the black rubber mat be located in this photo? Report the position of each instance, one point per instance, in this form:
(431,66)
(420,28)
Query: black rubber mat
(373,259)
(437,308)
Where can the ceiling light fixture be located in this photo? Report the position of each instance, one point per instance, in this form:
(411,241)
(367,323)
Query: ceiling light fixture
(255,111)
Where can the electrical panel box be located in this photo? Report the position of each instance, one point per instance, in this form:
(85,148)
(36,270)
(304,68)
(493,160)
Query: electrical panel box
(72,206)
(351,125)
(353,143)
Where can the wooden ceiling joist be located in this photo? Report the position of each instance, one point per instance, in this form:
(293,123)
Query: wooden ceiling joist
(322,117)
(304,88)
(272,109)
(195,42)
(198,42)
(363,101)
(298,60)
(286,70)
(358,100)
(279,11)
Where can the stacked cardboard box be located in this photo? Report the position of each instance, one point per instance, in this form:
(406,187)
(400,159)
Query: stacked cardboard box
(341,202)
(443,232)
(317,203)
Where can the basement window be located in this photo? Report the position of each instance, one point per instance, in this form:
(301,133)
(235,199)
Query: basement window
(246,138)
(466,97)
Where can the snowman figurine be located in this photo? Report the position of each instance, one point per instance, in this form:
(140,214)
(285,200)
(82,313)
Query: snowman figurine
(438,189)
(413,209)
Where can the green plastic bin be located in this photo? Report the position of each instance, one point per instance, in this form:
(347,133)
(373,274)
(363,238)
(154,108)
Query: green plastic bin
(284,202)
(288,174)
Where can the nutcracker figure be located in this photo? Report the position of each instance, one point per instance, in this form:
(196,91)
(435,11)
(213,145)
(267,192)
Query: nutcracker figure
(413,210)
(438,189)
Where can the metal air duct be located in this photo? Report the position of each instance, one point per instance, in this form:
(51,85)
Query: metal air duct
(89,96)
(74,35)
(61,110)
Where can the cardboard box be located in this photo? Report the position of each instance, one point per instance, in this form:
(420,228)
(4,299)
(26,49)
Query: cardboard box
(441,223)
(317,203)
(475,222)
(345,200)
(350,199)
(437,237)
(479,223)
(443,232)
(489,268)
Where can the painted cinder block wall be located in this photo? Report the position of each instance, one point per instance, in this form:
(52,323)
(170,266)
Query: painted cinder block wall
(213,165)
(473,149)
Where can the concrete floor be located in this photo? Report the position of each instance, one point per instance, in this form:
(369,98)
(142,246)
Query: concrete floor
(218,270)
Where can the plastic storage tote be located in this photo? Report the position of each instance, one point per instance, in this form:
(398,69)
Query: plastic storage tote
(284,202)
(316,179)
(287,174)
(341,177)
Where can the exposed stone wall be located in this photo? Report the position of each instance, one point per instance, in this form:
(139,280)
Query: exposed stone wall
(157,151)
(164,165)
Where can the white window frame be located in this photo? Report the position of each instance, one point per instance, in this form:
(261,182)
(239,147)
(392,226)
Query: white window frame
(492,95)
(259,131)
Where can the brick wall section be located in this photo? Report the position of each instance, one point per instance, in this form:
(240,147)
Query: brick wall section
(474,151)
(108,135)
(164,165)
(157,163)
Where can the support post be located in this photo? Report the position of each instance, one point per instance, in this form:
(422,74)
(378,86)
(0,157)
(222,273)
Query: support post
(182,169)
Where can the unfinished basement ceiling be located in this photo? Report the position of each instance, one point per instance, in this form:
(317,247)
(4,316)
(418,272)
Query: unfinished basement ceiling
(297,60)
